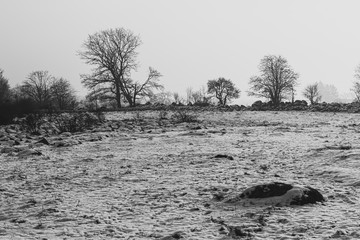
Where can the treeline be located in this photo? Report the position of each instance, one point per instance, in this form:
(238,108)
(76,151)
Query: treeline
(39,92)
(113,56)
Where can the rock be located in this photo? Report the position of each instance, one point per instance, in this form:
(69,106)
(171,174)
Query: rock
(65,143)
(44,141)
(8,150)
(4,138)
(29,152)
(95,138)
(219,196)
(174,236)
(266,190)
(17,220)
(10,130)
(339,234)
(66,134)
(237,232)
(2,133)
(29,137)
(278,194)
(224,156)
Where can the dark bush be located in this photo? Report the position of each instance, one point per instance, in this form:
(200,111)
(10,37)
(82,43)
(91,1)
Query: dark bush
(6,114)
(184,116)
(10,110)
(100,115)
(163,115)
(202,104)
(257,104)
(75,122)
(32,122)
(300,103)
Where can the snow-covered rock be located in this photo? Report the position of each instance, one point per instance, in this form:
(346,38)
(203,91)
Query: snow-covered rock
(280,194)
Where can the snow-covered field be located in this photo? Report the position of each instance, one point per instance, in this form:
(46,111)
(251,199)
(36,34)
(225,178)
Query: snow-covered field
(139,177)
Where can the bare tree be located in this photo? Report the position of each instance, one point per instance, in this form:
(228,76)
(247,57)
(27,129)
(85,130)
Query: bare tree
(201,96)
(357,72)
(38,88)
(113,54)
(293,94)
(140,90)
(101,89)
(17,93)
(311,92)
(356,90)
(328,92)
(189,95)
(196,96)
(176,97)
(161,97)
(4,87)
(62,93)
(356,87)
(276,82)
(223,89)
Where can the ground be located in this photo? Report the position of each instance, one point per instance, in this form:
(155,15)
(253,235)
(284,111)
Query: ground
(139,177)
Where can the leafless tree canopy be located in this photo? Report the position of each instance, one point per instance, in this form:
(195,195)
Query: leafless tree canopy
(276,82)
(189,95)
(113,55)
(311,92)
(62,94)
(38,87)
(161,98)
(357,72)
(176,97)
(223,89)
(4,87)
(328,92)
(201,96)
(356,90)
(101,88)
(140,90)
(356,86)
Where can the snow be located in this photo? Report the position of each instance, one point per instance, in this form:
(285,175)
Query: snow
(147,179)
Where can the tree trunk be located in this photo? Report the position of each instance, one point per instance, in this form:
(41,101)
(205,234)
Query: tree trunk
(275,100)
(127,94)
(118,95)
(220,101)
(134,99)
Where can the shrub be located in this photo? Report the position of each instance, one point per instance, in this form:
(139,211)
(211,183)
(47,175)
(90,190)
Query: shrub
(184,116)
(100,115)
(163,115)
(32,122)
(75,122)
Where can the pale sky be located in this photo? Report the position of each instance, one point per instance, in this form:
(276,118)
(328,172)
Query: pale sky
(188,41)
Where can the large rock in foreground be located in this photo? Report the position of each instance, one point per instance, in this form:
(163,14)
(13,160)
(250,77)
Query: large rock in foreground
(280,194)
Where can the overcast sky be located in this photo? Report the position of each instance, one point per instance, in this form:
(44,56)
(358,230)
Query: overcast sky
(188,41)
